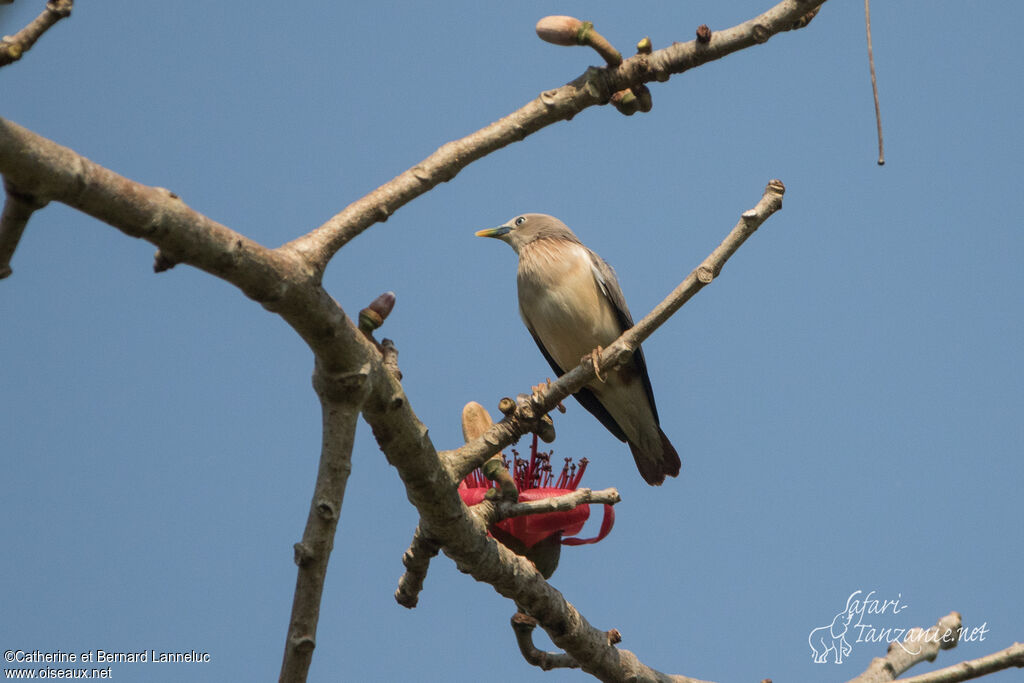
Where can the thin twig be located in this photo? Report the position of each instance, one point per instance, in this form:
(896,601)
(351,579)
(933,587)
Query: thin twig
(416,560)
(874,82)
(569,501)
(1012,656)
(523,626)
(13,47)
(18,208)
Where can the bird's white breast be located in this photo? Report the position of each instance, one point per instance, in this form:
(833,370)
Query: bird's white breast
(562,303)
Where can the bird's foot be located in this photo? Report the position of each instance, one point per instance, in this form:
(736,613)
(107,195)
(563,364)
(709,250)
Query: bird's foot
(595,357)
(538,388)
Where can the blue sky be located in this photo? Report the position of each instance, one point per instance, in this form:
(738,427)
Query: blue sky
(846,398)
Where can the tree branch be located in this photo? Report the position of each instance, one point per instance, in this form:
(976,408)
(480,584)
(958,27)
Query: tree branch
(569,501)
(276,278)
(522,626)
(13,47)
(924,644)
(48,171)
(918,645)
(874,82)
(416,560)
(341,397)
(975,668)
(18,208)
(595,86)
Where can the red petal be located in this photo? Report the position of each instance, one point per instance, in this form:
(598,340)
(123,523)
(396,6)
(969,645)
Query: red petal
(472,495)
(606,526)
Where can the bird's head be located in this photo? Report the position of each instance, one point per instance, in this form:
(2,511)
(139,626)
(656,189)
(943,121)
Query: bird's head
(527,228)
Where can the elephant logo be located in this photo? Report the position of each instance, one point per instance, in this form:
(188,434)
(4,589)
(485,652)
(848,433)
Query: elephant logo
(832,638)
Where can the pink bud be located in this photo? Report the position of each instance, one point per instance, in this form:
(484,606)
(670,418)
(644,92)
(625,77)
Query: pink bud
(373,316)
(559,30)
(383,304)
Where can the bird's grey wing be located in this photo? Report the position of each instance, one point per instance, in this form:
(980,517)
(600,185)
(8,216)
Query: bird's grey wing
(605,277)
(584,395)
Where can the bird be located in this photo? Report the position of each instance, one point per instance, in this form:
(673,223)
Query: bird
(572,304)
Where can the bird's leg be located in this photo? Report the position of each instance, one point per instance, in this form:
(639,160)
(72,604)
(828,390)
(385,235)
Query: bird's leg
(595,357)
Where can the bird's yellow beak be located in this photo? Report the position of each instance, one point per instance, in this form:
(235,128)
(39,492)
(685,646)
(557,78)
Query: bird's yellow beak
(494,232)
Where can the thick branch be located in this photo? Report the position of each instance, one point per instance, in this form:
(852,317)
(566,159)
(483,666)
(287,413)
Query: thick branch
(465,459)
(48,171)
(13,47)
(594,87)
(341,397)
(277,278)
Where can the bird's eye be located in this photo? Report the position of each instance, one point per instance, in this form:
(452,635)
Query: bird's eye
(520,220)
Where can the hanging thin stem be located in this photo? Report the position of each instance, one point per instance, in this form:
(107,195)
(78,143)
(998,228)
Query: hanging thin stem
(874,83)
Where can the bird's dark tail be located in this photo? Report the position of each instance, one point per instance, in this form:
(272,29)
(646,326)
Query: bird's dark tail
(658,461)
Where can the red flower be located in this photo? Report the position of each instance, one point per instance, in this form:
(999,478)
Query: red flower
(535,481)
